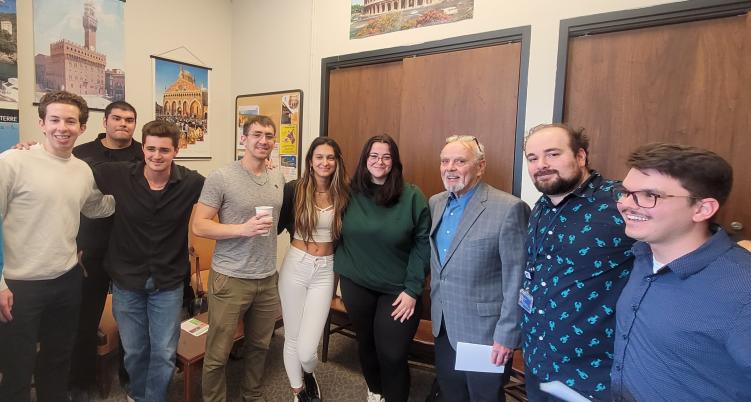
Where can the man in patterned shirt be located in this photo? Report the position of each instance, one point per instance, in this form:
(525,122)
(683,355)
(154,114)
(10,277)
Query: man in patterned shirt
(578,261)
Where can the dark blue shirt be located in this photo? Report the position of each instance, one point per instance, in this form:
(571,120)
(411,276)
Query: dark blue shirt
(684,334)
(452,216)
(579,259)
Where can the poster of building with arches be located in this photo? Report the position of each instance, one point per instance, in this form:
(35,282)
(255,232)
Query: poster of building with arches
(181,96)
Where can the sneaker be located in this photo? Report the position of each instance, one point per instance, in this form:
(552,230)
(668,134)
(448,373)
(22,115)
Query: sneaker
(302,396)
(311,386)
(375,397)
(78,395)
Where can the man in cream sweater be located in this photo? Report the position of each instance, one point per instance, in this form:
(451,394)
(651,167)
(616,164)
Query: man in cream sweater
(42,194)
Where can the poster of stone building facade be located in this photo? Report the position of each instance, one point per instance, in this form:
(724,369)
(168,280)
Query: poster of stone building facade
(376,17)
(8,55)
(79,47)
(181,96)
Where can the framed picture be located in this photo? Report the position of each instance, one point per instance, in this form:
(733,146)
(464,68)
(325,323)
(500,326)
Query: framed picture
(377,17)
(285,110)
(181,96)
(8,55)
(79,47)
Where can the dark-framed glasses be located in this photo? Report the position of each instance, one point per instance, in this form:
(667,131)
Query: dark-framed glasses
(385,158)
(643,198)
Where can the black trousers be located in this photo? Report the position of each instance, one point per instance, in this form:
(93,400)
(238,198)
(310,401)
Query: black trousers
(534,393)
(382,342)
(96,284)
(465,386)
(46,312)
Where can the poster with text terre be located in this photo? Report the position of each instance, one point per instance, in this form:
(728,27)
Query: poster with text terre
(8,128)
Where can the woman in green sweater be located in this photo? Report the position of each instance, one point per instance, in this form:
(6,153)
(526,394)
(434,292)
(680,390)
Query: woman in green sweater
(382,259)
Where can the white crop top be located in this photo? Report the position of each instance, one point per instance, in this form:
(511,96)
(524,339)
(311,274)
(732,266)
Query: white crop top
(322,231)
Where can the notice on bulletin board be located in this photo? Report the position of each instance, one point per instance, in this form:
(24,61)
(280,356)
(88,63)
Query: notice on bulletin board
(288,139)
(285,109)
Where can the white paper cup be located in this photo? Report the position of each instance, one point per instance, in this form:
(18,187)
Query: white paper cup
(264,211)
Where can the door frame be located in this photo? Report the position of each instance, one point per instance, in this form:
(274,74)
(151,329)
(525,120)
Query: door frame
(510,35)
(666,14)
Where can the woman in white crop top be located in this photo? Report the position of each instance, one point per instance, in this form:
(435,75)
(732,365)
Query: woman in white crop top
(312,214)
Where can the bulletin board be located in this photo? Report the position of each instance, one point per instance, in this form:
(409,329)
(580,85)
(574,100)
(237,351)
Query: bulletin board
(285,109)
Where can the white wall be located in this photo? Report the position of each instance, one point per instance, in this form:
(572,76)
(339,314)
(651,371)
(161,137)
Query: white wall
(153,27)
(262,45)
(328,22)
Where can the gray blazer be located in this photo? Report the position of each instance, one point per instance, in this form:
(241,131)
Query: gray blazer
(476,290)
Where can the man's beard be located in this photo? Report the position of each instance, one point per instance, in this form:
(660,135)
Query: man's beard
(559,185)
(455,188)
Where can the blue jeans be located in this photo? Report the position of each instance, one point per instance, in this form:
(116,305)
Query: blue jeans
(149,325)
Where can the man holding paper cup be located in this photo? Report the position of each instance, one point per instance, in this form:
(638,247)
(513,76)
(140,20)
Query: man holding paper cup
(477,262)
(243,280)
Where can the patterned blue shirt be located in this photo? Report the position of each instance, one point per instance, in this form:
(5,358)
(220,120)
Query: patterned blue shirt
(578,259)
(684,333)
(452,216)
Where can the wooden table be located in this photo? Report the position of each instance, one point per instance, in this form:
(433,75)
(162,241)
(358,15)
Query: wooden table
(190,352)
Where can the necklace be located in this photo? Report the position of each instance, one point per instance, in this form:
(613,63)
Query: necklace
(264,178)
(156,187)
(153,185)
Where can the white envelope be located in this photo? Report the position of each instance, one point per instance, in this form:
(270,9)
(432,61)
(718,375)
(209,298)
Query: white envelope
(474,357)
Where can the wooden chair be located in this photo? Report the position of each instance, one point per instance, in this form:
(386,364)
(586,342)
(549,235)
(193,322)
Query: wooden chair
(515,386)
(338,318)
(422,348)
(201,250)
(745,244)
(108,341)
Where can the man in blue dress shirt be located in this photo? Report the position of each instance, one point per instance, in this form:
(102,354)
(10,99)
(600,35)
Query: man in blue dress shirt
(684,318)
(578,261)
(476,262)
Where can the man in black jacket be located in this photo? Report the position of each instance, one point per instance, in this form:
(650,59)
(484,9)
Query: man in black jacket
(113,145)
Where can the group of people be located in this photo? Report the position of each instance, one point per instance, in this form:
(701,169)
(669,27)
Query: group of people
(623,291)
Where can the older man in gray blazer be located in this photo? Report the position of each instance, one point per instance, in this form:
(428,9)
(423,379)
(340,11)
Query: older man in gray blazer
(477,265)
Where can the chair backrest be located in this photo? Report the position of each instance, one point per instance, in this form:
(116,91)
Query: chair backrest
(204,248)
(745,244)
(425,315)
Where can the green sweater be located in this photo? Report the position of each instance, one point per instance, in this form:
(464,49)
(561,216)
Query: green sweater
(386,249)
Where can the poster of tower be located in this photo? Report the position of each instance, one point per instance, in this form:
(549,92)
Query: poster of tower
(181,96)
(8,55)
(79,47)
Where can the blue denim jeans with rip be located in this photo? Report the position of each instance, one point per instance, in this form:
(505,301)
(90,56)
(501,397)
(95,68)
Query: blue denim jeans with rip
(149,325)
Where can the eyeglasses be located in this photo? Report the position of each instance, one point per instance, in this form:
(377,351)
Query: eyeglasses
(643,198)
(476,142)
(373,158)
(258,134)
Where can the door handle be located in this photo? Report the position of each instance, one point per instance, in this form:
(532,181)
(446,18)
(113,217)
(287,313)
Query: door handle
(735,225)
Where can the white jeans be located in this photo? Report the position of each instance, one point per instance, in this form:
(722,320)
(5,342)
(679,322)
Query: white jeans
(306,284)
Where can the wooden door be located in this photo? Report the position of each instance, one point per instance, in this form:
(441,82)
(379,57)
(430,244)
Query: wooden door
(686,83)
(470,92)
(363,101)
(422,100)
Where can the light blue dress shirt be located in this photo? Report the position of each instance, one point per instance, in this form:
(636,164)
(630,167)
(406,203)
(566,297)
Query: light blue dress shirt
(446,230)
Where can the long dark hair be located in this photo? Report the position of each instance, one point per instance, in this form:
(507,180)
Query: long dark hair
(306,217)
(388,194)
